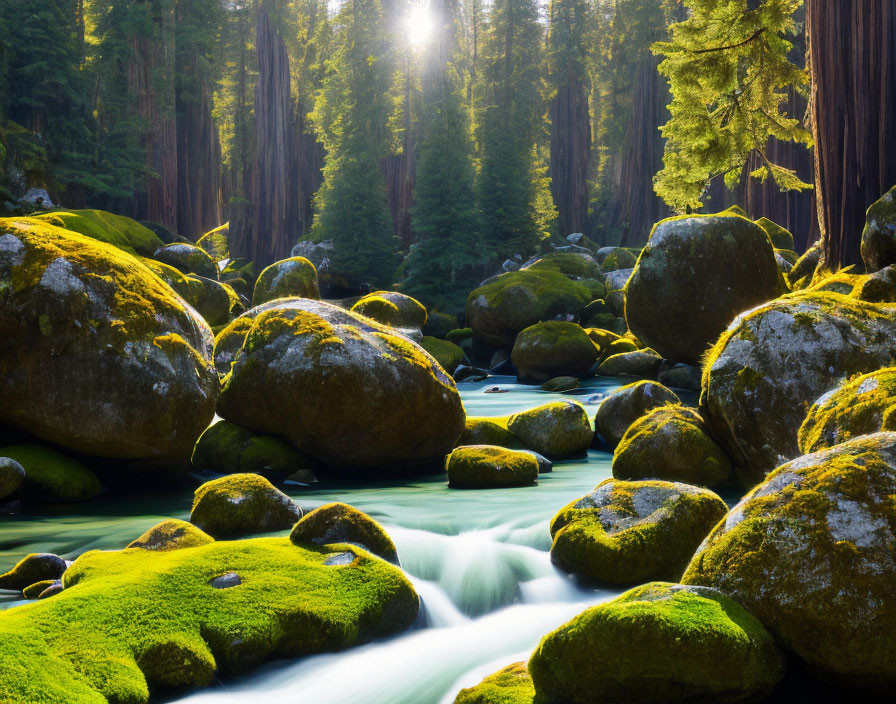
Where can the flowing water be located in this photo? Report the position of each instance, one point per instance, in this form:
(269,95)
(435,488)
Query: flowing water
(479,560)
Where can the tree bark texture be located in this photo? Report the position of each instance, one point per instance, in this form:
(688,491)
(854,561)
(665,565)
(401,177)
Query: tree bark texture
(570,151)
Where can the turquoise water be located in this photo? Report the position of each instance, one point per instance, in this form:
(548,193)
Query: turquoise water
(479,560)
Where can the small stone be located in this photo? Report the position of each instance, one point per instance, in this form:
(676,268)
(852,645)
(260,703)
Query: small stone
(226,580)
(340,558)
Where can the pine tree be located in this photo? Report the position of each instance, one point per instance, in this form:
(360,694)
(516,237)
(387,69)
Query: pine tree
(351,116)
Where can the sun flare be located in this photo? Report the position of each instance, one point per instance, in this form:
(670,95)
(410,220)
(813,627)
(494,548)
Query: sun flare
(418,25)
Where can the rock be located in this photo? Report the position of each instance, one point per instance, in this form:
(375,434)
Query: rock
(879,235)
(695,275)
(805,266)
(634,532)
(51,475)
(337,523)
(36,590)
(490,467)
(784,266)
(12,474)
(229,448)
(626,405)
(187,258)
(775,361)
(439,324)
(301,477)
(242,504)
(780,236)
(117,230)
(616,258)
(91,642)
(227,580)
(487,431)
(861,406)
(171,534)
(602,338)
(643,364)
(464,373)
(52,590)
(810,553)
(615,301)
(447,354)
(499,309)
(555,430)
(145,387)
(393,309)
(343,389)
(879,287)
(512,685)
(680,376)
(295,276)
(574,265)
(553,348)
(617,279)
(33,568)
(230,340)
(162,232)
(38,198)
(213,301)
(545,466)
(620,345)
(671,443)
(559,384)
(644,647)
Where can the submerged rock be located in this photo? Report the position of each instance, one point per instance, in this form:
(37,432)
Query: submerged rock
(810,553)
(546,350)
(490,467)
(242,504)
(171,534)
(340,523)
(634,532)
(555,430)
(33,568)
(295,276)
(626,405)
(644,647)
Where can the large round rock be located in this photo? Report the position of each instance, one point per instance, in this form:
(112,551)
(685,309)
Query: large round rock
(810,552)
(295,276)
(693,277)
(100,355)
(879,235)
(626,405)
(342,388)
(554,348)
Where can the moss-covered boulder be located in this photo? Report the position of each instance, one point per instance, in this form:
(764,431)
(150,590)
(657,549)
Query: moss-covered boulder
(295,276)
(242,504)
(117,230)
(172,534)
(626,405)
(660,643)
(213,300)
(36,567)
(879,287)
(488,431)
(12,475)
(574,265)
(615,258)
(773,363)
(490,467)
(340,523)
(230,340)
(857,407)
(101,356)
(694,276)
(187,258)
(42,589)
(555,430)
(439,324)
(810,553)
(554,348)
(805,266)
(560,384)
(780,236)
(499,309)
(616,280)
(446,353)
(393,309)
(138,623)
(671,443)
(51,475)
(879,236)
(229,448)
(685,377)
(640,364)
(342,389)
(634,532)
(512,685)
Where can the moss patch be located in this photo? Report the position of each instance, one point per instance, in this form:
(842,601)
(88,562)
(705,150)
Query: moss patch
(488,431)
(295,276)
(394,309)
(554,348)
(229,448)
(490,467)
(512,685)
(447,354)
(555,430)
(340,523)
(242,504)
(626,405)
(171,534)
(118,230)
(51,475)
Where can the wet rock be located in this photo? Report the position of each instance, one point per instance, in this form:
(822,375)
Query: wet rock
(560,384)
(555,430)
(490,467)
(626,405)
(242,504)
(226,581)
(33,568)
(336,522)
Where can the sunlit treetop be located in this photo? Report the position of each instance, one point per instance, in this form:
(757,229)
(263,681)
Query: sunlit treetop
(729,71)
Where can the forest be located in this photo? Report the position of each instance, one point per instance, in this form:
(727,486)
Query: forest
(447,351)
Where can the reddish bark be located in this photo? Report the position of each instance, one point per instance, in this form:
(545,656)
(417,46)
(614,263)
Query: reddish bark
(570,152)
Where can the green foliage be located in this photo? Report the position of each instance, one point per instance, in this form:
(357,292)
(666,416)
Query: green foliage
(728,69)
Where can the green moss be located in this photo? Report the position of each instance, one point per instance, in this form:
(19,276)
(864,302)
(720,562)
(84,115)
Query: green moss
(35,590)
(571,264)
(118,230)
(295,276)
(242,504)
(229,448)
(643,364)
(446,353)
(555,430)
(554,348)
(626,405)
(634,532)
(229,341)
(439,324)
(844,281)
(49,474)
(171,534)
(780,236)
(340,523)
(658,643)
(394,309)
(216,243)
(136,622)
(490,467)
(602,338)
(619,258)
(187,258)
(488,431)
(35,567)
(620,345)
(512,685)
(458,335)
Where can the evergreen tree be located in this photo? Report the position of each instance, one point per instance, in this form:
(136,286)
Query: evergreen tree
(351,116)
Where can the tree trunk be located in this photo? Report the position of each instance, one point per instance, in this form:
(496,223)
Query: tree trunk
(852,60)
(570,151)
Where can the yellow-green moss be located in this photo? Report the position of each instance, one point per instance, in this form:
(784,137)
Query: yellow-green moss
(446,353)
(573,265)
(555,430)
(553,348)
(512,685)
(626,405)
(35,590)
(33,568)
(619,258)
(137,622)
(340,523)
(49,474)
(116,230)
(780,236)
(171,534)
(490,467)
(488,431)
(187,258)
(295,276)
(602,338)
(229,341)
(391,308)
(242,504)
(216,243)
(229,448)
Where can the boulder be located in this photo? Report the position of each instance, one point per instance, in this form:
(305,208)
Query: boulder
(634,532)
(555,430)
(341,523)
(879,236)
(671,443)
(512,685)
(775,361)
(574,265)
(780,236)
(446,353)
(545,350)
(680,376)
(810,552)
(487,431)
(393,309)
(641,364)
(37,198)
(117,230)
(295,276)
(187,258)
(42,589)
(439,324)
(879,287)
(12,474)
(35,567)
(144,388)
(213,300)
(805,266)
(626,405)
(132,622)
(500,308)
(695,275)
(343,389)
(242,504)
(229,448)
(51,475)
(559,384)
(490,467)
(615,258)
(216,242)
(617,279)
(230,340)
(171,534)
